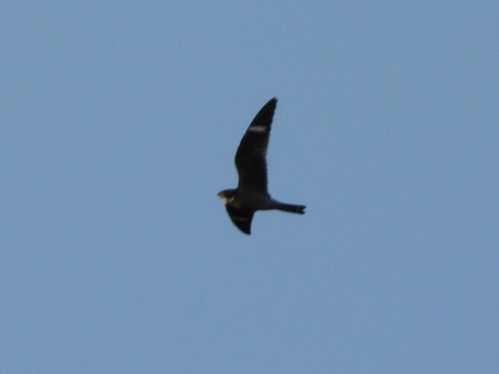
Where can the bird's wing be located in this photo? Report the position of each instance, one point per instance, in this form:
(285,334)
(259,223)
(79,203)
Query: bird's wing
(241,218)
(250,156)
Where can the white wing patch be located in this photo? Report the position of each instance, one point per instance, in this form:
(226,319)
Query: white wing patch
(257,129)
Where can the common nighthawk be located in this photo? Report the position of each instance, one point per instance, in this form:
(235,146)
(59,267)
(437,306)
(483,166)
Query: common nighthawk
(251,193)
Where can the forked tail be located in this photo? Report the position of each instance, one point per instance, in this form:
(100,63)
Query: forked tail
(291,208)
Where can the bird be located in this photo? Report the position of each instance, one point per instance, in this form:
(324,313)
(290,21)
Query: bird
(251,193)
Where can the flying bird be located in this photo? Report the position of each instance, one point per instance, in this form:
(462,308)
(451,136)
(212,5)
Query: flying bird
(251,193)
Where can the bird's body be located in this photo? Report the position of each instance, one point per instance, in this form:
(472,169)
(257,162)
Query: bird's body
(250,200)
(251,194)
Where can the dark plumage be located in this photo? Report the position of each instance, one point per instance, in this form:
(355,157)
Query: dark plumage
(251,193)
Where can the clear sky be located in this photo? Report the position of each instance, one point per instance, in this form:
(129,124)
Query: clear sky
(119,122)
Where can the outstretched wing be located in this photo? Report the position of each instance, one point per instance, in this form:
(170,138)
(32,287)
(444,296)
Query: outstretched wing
(251,154)
(241,218)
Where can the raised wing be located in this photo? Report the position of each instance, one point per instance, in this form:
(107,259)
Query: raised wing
(241,218)
(250,156)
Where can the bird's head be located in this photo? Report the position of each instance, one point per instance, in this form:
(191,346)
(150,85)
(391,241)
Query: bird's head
(227,196)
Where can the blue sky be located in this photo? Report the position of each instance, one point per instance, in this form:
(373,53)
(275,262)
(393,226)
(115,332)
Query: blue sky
(119,122)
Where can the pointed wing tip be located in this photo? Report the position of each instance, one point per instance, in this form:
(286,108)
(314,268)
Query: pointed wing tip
(246,231)
(269,108)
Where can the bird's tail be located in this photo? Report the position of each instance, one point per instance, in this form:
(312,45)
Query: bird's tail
(291,208)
